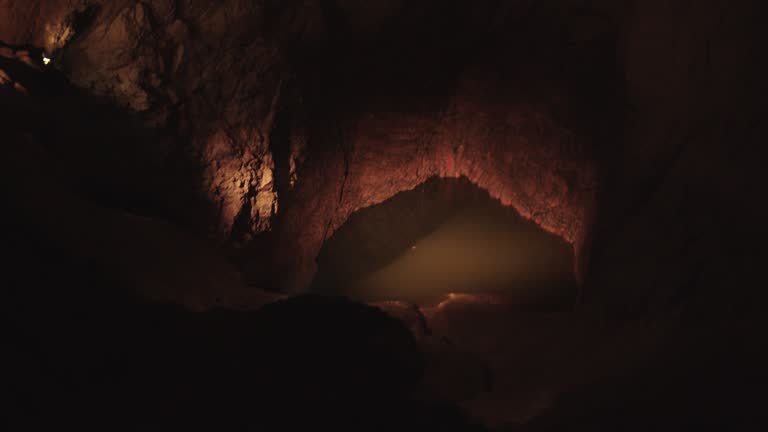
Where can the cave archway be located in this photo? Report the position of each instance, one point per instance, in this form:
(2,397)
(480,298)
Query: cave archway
(516,149)
(445,236)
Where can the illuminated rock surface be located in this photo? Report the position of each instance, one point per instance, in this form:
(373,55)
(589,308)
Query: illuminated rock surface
(216,83)
(200,153)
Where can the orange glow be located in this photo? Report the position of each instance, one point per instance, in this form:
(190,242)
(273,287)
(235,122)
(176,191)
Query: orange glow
(481,249)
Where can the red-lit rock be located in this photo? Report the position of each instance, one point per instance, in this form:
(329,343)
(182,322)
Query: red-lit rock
(41,23)
(514,149)
(211,74)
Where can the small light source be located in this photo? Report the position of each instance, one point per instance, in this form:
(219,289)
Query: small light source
(46,60)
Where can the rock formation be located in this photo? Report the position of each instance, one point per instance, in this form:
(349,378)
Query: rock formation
(201,152)
(214,79)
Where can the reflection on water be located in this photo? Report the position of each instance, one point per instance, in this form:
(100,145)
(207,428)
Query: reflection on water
(476,250)
(445,236)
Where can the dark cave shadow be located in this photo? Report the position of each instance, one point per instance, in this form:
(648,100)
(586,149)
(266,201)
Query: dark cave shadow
(99,148)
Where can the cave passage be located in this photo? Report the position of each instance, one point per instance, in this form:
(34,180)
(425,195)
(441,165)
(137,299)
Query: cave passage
(445,236)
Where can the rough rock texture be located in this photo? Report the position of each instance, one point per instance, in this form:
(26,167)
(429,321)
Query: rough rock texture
(42,23)
(201,69)
(289,116)
(61,197)
(149,257)
(514,150)
(200,72)
(216,79)
(211,76)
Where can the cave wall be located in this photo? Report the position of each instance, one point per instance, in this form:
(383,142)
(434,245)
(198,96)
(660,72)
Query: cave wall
(513,149)
(38,23)
(212,78)
(668,168)
(679,222)
(199,73)
(663,193)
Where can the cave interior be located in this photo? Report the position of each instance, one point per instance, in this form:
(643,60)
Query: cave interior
(445,236)
(469,215)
